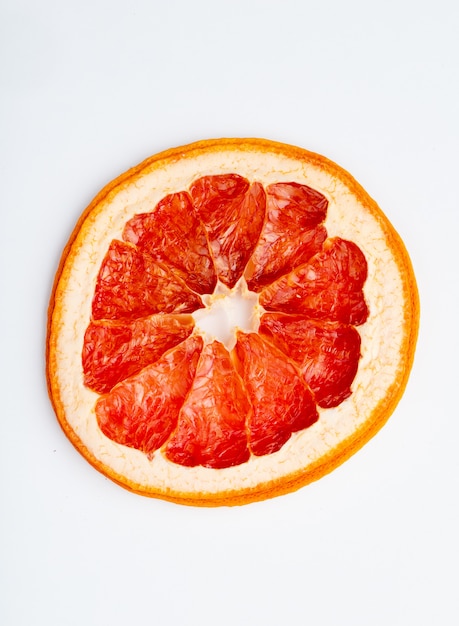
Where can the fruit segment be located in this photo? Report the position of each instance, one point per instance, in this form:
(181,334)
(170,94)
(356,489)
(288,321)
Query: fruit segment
(211,425)
(232,212)
(291,235)
(113,351)
(327,353)
(282,403)
(328,287)
(132,285)
(163,234)
(142,411)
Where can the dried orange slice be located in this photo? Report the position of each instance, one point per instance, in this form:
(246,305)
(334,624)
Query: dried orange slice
(230,321)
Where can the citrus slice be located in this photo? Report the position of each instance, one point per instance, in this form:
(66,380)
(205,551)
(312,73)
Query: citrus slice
(218,328)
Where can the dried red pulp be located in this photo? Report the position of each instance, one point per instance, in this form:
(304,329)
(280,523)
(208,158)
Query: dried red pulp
(199,401)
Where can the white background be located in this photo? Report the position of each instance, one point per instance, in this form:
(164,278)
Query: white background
(90,88)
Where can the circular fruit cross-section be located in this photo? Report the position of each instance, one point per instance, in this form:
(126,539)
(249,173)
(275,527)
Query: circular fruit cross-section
(315,294)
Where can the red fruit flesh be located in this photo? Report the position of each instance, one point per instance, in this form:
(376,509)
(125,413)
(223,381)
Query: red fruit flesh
(203,405)
(132,285)
(142,411)
(163,233)
(232,212)
(281,401)
(211,425)
(327,353)
(328,287)
(113,351)
(291,235)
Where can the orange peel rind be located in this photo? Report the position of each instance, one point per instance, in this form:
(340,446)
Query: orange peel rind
(388,337)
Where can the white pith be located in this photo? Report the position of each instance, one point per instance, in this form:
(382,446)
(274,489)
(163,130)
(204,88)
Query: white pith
(227,311)
(381,335)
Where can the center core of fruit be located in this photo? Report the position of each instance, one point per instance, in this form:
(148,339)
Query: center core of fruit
(227,311)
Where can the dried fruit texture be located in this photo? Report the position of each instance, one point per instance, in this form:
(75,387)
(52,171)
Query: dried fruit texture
(296,362)
(162,233)
(329,286)
(232,211)
(292,233)
(113,351)
(132,285)
(172,396)
(142,411)
(327,353)
(211,426)
(282,403)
